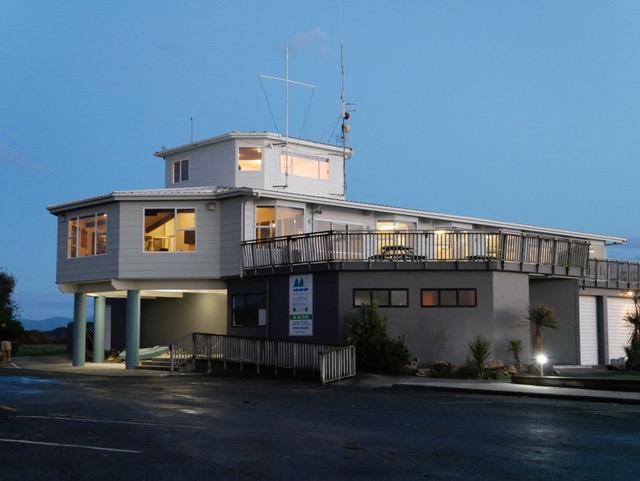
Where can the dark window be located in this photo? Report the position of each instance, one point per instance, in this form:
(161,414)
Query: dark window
(181,171)
(448,298)
(381,297)
(249,310)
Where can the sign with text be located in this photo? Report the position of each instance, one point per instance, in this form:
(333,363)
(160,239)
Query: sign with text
(301,305)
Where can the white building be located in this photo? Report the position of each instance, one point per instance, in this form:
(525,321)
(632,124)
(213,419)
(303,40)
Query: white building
(244,216)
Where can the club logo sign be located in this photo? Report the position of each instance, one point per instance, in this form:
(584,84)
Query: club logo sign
(301,305)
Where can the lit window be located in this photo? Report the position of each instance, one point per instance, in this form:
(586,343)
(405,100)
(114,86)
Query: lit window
(448,298)
(181,171)
(310,167)
(169,230)
(278,221)
(381,297)
(87,235)
(250,158)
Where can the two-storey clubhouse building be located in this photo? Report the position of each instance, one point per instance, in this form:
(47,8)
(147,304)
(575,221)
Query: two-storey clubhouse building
(252,236)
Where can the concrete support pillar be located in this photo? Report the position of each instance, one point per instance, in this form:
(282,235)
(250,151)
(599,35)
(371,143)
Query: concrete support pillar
(132,343)
(79,329)
(99,304)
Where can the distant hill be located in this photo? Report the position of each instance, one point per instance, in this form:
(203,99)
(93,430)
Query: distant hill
(45,325)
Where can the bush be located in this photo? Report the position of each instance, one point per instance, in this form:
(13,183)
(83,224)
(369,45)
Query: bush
(479,350)
(375,352)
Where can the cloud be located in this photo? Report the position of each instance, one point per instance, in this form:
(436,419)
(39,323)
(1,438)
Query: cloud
(21,161)
(315,40)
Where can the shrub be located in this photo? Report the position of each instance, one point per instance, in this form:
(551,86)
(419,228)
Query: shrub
(375,352)
(479,350)
(514,347)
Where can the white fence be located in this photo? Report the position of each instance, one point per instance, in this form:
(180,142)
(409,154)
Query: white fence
(332,362)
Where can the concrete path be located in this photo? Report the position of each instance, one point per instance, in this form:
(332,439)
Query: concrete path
(62,364)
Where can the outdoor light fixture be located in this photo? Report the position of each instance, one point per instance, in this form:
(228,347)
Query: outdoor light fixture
(542,360)
(211,206)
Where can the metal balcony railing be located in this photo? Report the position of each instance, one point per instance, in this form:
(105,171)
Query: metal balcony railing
(414,246)
(613,273)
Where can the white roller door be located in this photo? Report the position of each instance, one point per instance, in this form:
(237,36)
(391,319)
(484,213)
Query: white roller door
(618,330)
(588,331)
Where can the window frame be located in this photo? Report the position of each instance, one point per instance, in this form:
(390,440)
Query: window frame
(78,236)
(178,230)
(281,223)
(178,171)
(254,323)
(448,290)
(372,291)
(305,166)
(249,164)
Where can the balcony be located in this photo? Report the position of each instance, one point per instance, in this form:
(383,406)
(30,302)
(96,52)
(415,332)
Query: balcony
(614,274)
(419,250)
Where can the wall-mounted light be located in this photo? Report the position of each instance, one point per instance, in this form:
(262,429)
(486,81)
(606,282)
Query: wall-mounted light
(211,206)
(63,217)
(317,210)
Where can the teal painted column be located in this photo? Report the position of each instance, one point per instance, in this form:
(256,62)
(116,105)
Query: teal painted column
(99,304)
(79,329)
(132,344)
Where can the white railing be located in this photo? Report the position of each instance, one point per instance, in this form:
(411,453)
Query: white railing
(337,364)
(332,362)
(415,246)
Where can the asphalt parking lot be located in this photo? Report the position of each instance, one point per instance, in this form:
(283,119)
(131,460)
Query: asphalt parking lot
(66,426)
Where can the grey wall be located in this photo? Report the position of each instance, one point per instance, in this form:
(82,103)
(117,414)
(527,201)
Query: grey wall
(430,333)
(443,333)
(90,268)
(136,264)
(165,320)
(562,345)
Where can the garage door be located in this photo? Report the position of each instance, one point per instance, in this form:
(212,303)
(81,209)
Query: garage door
(619,331)
(588,331)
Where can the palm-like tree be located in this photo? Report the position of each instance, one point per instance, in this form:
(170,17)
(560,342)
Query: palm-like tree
(479,350)
(541,317)
(514,347)
(633,349)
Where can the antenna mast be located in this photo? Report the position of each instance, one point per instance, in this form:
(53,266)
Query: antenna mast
(345,127)
(286,81)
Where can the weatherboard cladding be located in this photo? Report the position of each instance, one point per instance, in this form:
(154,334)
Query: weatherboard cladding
(215,192)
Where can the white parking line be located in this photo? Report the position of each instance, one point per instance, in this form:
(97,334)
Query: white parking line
(96,448)
(108,421)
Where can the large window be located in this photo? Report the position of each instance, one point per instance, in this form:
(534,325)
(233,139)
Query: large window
(87,235)
(169,230)
(381,297)
(278,221)
(181,171)
(449,298)
(311,167)
(250,158)
(249,310)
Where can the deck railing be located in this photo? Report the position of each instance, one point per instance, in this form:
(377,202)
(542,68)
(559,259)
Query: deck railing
(414,246)
(332,362)
(613,273)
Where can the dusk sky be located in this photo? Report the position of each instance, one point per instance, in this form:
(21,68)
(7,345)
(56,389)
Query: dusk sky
(523,111)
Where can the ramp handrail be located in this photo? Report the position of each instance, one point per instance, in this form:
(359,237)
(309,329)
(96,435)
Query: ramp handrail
(332,362)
